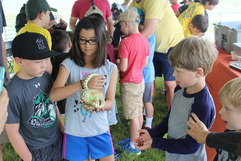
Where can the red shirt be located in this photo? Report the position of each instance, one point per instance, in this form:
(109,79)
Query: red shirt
(135,48)
(80,7)
(175,7)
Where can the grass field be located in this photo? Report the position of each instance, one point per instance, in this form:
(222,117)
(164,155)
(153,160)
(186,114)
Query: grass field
(121,130)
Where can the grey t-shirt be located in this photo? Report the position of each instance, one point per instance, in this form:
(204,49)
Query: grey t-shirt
(80,122)
(31,108)
(201,103)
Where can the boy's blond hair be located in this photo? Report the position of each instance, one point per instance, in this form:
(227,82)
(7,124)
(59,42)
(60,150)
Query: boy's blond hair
(231,91)
(192,53)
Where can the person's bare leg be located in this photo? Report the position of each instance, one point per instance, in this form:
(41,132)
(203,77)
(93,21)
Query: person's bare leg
(170,86)
(154,89)
(108,158)
(134,127)
(140,120)
(149,109)
(149,113)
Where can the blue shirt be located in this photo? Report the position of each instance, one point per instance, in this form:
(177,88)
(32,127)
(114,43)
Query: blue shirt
(149,70)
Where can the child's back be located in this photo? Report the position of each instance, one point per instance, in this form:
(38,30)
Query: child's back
(132,48)
(195,8)
(186,17)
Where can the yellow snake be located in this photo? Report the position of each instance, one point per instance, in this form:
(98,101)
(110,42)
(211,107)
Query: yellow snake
(92,98)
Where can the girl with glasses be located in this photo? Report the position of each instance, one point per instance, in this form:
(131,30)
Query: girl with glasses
(86,131)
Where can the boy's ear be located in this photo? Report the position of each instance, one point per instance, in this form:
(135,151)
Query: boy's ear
(207,3)
(40,15)
(18,61)
(200,72)
(69,44)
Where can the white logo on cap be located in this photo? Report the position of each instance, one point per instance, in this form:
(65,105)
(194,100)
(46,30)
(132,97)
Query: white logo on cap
(40,43)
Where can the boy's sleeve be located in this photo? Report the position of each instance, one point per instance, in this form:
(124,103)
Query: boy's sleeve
(74,12)
(181,146)
(228,141)
(123,49)
(13,108)
(161,129)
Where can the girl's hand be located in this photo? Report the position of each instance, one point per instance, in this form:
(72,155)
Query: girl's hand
(144,141)
(96,82)
(198,130)
(97,110)
(91,111)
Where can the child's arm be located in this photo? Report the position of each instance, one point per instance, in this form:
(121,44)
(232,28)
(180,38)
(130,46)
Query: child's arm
(3,108)
(186,145)
(59,91)
(149,27)
(122,66)
(18,142)
(161,129)
(145,62)
(49,68)
(60,121)
(110,94)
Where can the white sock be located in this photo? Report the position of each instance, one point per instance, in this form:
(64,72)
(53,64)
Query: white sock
(144,111)
(149,122)
(132,145)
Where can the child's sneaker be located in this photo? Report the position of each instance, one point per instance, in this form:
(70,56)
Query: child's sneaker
(124,142)
(146,127)
(117,154)
(127,148)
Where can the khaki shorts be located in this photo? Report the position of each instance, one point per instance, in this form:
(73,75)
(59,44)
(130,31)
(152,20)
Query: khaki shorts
(4,137)
(131,99)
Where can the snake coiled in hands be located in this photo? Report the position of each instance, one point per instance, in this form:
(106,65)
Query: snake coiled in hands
(92,98)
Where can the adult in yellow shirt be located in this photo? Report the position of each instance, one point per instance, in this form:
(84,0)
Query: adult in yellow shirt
(161,20)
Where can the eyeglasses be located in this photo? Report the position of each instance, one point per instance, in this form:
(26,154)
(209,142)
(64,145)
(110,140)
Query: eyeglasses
(90,41)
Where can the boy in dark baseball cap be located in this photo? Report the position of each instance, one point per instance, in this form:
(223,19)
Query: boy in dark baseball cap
(34,7)
(34,123)
(37,12)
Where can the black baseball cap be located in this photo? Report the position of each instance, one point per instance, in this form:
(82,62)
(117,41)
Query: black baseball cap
(32,46)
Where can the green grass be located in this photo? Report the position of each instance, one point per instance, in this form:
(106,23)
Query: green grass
(121,130)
